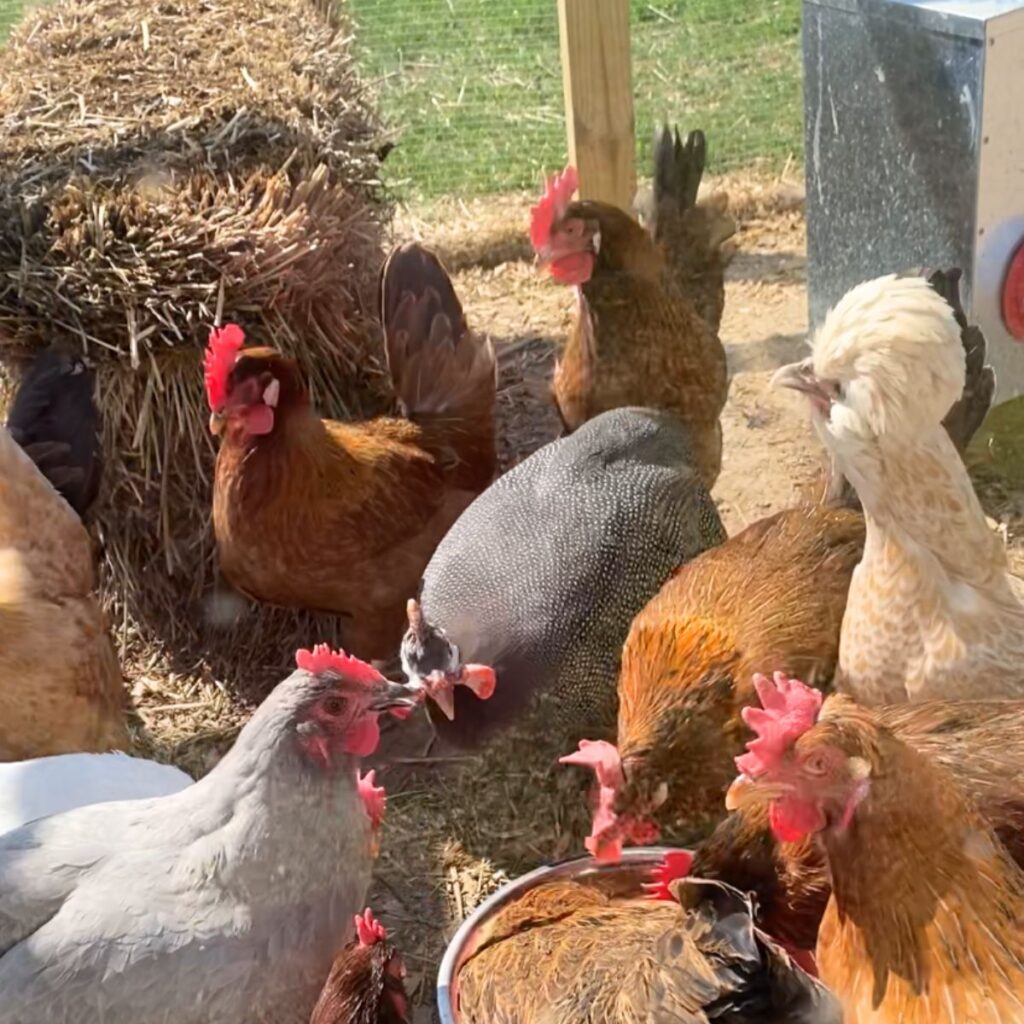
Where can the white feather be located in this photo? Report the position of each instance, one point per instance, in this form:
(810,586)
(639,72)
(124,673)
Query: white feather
(49,785)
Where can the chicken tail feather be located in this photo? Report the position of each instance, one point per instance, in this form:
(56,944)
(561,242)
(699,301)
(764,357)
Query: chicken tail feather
(54,419)
(438,366)
(678,167)
(967,413)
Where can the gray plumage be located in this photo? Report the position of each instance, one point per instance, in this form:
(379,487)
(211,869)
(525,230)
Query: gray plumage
(542,575)
(224,903)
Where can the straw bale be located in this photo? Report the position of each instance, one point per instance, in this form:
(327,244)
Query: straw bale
(164,163)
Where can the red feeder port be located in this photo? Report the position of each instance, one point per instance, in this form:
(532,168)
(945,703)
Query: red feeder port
(1013,296)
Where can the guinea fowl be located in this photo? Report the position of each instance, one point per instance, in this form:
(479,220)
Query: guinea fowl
(541,576)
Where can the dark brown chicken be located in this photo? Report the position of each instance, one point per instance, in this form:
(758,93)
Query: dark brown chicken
(343,517)
(565,953)
(636,339)
(367,981)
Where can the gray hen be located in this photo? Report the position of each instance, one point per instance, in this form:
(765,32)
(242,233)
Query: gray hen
(223,903)
(541,576)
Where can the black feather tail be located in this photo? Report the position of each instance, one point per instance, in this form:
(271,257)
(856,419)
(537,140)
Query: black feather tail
(55,420)
(678,167)
(969,411)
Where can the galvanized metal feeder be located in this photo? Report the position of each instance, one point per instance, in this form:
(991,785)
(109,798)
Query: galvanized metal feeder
(915,154)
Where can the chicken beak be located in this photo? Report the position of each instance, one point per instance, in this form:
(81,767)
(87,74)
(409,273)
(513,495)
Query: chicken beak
(216,423)
(745,791)
(391,695)
(801,377)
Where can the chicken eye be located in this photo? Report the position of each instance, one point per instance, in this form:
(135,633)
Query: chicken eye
(816,764)
(333,706)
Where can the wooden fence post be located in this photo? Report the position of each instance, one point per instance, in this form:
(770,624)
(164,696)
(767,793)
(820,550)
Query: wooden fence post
(596,77)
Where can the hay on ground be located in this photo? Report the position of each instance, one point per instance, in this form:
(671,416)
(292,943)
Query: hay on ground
(163,162)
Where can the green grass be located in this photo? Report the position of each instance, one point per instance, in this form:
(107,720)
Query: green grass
(473,88)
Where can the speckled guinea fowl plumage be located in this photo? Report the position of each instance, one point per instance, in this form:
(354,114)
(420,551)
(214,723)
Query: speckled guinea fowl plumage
(542,575)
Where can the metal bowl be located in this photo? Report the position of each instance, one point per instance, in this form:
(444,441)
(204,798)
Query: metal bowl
(622,879)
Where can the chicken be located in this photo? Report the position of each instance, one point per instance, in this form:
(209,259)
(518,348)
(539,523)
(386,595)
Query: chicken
(771,596)
(540,577)
(366,984)
(690,233)
(925,922)
(224,903)
(933,611)
(48,785)
(565,952)
(60,681)
(981,743)
(636,339)
(54,419)
(343,517)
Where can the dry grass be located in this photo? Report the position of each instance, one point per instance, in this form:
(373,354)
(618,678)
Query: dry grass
(165,165)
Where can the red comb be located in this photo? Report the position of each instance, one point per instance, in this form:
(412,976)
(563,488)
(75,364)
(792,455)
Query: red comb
(676,864)
(790,708)
(221,353)
(374,797)
(557,196)
(369,930)
(605,840)
(323,659)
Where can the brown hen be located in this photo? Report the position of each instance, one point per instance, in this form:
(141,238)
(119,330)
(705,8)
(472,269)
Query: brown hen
(564,953)
(925,922)
(343,517)
(637,339)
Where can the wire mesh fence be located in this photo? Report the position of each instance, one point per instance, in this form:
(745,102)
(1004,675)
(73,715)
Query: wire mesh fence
(472,89)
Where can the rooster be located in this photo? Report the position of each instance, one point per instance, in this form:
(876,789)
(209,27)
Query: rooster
(367,982)
(926,916)
(933,611)
(343,517)
(636,339)
(224,903)
(565,952)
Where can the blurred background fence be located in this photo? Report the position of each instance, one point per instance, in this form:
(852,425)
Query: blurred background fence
(472,89)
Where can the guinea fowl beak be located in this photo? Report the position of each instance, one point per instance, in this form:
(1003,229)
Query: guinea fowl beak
(801,377)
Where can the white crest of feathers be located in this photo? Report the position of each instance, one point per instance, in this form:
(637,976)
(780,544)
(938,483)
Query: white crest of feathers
(894,345)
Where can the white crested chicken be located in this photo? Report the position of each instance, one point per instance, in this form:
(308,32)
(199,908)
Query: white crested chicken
(933,610)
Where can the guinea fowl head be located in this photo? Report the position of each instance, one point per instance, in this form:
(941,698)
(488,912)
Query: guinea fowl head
(431,661)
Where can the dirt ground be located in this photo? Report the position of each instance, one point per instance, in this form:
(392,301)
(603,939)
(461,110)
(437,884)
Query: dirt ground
(459,825)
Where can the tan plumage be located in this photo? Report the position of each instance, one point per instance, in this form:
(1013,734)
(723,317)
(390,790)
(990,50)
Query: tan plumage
(565,953)
(60,681)
(980,743)
(926,919)
(933,610)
